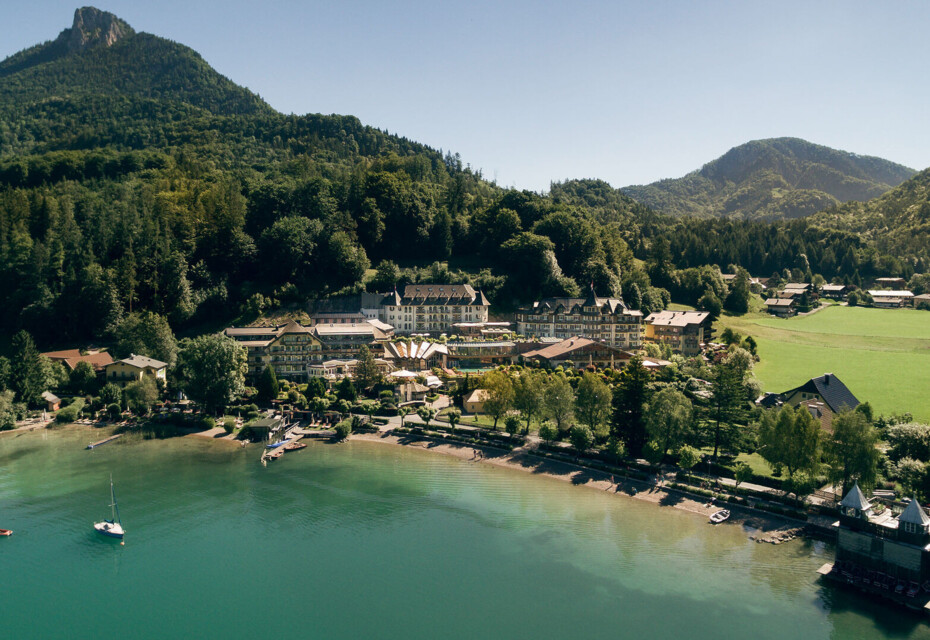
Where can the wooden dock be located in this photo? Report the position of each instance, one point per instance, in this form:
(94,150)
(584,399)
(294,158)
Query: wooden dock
(273,454)
(100,443)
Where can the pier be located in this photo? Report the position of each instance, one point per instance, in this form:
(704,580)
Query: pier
(100,443)
(292,435)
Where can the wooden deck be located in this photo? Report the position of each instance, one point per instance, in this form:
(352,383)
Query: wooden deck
(100,443)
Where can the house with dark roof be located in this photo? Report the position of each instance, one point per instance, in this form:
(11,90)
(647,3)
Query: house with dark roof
(824,397)
(782,307)
(834,291)
(604,319)
(433,308)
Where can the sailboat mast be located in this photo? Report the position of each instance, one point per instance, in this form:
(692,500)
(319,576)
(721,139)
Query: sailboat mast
(114,508)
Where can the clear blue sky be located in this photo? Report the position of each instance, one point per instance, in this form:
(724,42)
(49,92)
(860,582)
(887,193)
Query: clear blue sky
(532,92)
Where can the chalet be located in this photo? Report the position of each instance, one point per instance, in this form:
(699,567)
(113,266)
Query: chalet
(827,389)
(890,283)
(70,358)
(684,331)
(412,392)
(881,553)
(800,286)
(135,368)
(474,402)
(891,298)
(834,291)
(781,307)
(607,320)
(922,298)
(579,352)
(433,308)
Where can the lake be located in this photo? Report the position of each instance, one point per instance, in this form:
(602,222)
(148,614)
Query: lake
(366,540)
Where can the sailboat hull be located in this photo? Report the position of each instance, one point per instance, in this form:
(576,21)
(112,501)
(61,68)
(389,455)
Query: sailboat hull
(109,529)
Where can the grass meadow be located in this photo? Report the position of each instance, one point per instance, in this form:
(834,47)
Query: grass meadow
(883,355)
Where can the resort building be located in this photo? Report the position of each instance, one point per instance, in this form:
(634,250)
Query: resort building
(289,349)
(482,330)
(881,553)
(292,348)
(781,307)
(331,370)
(70,358)
(433,308)
(346,309)
(415,355)
(684,331)
(476,355)
(606,320)
(579,352)
(135,368)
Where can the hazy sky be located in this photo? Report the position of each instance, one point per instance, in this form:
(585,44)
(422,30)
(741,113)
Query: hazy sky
(534,92)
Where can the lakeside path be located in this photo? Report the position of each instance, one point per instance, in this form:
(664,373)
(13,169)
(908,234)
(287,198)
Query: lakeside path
(578,475)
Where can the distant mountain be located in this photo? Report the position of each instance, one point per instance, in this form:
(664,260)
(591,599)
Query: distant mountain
(898,221)
(772,179)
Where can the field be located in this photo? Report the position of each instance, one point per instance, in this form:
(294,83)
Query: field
(883,355)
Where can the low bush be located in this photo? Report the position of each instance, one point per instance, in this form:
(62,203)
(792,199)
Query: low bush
(71,412)
(343,429)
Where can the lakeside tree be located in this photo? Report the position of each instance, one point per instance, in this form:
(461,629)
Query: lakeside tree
(367,374)
(7,410)
(83,378)
(851,450)
(668,420)
(529,393)
(29,370)
(790,439)
(593,400)
(548,432)
(147,334)
(110,393)
(581,437)
(742,473)
(212,370)
(426,414)
(141,395)
(559,401)
(453,416)
(500,394)
(727,396)
(630,399)
(267,384)
(512,425)
(688,457)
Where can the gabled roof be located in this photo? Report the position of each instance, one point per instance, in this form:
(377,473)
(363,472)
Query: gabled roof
(856,499)
(833,287)
(891,293)
(914,514)
(677,318)
(779,302)
(71,357)
(478,395)
(141,362)
(437,294)
(836,394)
(563,349)
(48,396)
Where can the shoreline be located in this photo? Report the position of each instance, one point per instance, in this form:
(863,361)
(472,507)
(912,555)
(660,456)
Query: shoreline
(759,527)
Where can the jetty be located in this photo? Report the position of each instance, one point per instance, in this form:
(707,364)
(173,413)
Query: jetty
(291,437)
(100,443)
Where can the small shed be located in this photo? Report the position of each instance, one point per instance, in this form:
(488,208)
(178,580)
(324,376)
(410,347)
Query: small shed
(474,402)
(52,402)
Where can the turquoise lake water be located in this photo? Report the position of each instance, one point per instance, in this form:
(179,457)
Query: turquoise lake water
(363,540)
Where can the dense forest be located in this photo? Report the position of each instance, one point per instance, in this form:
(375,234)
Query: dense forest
(133,177)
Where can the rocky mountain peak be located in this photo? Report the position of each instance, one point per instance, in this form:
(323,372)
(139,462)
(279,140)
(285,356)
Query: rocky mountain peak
(93,27)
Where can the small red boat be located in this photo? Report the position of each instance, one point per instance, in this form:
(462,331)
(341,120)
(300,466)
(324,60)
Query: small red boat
(5,532)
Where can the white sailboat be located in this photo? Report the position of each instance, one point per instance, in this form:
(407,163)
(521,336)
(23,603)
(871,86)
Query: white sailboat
(112,527)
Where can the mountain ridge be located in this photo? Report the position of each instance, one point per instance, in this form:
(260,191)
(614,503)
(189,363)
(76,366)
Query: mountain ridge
(770,179)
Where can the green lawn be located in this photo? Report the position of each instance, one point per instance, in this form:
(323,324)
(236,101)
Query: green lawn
(883,355)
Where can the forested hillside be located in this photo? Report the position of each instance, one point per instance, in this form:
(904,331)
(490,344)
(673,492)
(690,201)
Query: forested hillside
(772,180)
(133,178)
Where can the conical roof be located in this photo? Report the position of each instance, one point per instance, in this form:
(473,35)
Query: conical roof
(914,514)
(856,499)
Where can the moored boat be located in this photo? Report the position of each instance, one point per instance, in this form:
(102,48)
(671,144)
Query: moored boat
(6,532)
(719,516)
(294,446)
(112,528)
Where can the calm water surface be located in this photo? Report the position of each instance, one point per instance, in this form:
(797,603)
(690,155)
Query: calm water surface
(363,540)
